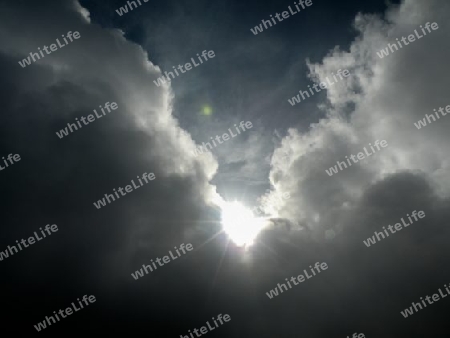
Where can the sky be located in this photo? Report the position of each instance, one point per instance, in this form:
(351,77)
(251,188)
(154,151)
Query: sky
(281,164)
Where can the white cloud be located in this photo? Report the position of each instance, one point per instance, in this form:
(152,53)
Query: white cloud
(388,95)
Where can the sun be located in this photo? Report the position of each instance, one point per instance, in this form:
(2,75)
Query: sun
(240,224)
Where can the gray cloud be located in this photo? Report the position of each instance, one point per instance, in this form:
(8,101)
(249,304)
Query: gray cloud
(325,219)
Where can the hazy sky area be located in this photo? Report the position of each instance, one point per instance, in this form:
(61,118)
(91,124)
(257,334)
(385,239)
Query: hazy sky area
(296,163)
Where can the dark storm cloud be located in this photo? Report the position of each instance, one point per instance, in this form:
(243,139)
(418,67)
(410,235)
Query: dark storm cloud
(372,285)
(58,180)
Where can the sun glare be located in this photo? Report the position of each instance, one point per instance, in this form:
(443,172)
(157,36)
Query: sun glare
(240,224)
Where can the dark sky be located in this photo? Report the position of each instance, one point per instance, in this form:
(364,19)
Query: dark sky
(155,130)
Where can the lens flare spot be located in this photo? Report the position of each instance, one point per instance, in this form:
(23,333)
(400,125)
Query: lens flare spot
(206,110)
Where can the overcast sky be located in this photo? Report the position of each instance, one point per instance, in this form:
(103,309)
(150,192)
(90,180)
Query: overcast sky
(156,129)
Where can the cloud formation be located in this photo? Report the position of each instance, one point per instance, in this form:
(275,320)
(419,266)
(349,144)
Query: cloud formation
(381,100)
(325,219)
